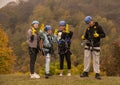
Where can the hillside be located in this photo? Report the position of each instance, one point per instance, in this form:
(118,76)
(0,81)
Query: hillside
(16,20)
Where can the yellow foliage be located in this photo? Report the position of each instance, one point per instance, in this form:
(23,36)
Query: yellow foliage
(6,54)
(3,38)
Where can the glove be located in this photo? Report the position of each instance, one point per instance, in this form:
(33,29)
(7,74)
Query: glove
(42,27)
(96,34)
(33,31)
(56,32)
(67,28)
(31,38)
(83,37)
(59,42)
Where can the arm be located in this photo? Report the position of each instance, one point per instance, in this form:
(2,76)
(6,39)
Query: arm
(30,37)
(41,43)
(101,32)
(86,34)
(70,34)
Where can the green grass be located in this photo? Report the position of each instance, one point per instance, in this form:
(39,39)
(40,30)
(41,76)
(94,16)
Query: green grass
(13,79)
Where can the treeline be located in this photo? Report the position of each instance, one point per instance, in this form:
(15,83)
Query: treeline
(16,20)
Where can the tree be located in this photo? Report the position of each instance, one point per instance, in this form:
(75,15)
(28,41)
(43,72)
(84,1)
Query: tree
(114,61)
(6,54)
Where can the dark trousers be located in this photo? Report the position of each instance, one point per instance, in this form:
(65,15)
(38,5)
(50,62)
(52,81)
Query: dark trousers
(68,59)
(33,54)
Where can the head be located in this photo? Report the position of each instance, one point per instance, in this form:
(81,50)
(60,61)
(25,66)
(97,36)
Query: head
(48,29)
(89,21)
(35,24)
(62,25)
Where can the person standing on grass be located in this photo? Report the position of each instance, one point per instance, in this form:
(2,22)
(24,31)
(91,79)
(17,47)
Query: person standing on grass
(64,41)
(46,45)
(33,42)
(94,33)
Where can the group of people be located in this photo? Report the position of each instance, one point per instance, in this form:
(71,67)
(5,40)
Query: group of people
(41,40)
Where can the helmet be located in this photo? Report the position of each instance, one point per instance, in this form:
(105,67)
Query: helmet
(35,22)
(88,19)
(62,23)
(47,27)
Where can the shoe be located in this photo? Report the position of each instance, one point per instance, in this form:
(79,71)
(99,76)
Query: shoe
(69,74)
(46,76)
(32,76)
(35,75)
(50,74)
(61,75)
(84,74)
(97,76)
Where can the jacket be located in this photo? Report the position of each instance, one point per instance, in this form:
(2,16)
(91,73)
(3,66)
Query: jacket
(64,42)
(32,40)
(47,42)
(89,35)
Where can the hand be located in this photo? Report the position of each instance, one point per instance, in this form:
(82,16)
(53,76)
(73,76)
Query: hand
(56,32)
(67,28)
(42,27)
(83,37)
(33,31)
(96,34)
(32,38)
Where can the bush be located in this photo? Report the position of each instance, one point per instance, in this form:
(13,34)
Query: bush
(113,68)
(54,69)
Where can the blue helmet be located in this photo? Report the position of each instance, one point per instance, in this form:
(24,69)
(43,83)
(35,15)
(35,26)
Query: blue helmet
(47,27)
(88,19)
(62,23)
(35,22)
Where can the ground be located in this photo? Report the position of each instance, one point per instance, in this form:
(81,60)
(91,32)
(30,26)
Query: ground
(13,79)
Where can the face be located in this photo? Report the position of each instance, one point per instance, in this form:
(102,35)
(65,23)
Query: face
(62,28)
(49,31)
(35,26)
(91,23)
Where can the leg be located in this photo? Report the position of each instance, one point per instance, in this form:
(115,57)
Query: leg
(61,64)
(47,65)
(96,64)
(87,59)
(33,56)
(68,59)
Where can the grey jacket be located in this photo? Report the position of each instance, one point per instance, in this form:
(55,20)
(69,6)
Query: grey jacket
(33,43)
(47,41)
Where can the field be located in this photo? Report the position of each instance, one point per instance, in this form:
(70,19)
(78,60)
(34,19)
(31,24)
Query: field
(13,79)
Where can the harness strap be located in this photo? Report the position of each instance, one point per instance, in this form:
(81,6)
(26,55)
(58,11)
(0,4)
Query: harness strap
(92,48)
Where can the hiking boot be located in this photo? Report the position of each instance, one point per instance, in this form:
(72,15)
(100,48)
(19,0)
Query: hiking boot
(46,76)
(50,74)
(84,74)
(97,76)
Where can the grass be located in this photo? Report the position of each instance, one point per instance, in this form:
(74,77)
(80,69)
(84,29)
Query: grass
(13,79)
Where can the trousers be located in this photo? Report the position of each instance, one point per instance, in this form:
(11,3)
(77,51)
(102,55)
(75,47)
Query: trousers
(47,63)
(33,55)
(88,55)
(68,59)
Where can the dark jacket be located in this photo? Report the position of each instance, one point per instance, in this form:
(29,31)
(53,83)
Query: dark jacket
(89,35)
(64,43)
